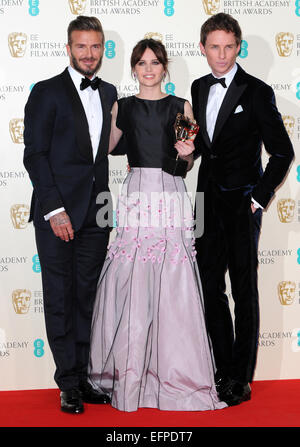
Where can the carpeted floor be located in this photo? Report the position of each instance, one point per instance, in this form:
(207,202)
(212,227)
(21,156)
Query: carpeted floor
(273,404)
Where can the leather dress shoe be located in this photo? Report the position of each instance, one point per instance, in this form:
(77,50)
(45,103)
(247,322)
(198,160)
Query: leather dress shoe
(236,393)
(71,401)
(222,383)
(92,396)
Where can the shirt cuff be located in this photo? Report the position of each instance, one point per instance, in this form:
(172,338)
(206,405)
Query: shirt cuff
(52,213)
(256,204)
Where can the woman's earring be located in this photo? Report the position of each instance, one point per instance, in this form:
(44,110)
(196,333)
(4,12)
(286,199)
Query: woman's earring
(134,76)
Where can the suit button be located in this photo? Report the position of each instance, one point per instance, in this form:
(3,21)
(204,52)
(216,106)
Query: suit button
(213,156)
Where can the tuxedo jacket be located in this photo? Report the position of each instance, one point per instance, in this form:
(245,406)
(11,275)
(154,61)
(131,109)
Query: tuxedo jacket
(58,151)
(248,118)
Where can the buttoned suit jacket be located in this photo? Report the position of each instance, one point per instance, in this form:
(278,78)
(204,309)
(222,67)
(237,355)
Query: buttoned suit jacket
(248,118)
(58,151)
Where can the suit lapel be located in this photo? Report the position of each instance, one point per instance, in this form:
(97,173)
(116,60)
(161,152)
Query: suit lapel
(81,126)
(235,90)
(203,97)
(104,138)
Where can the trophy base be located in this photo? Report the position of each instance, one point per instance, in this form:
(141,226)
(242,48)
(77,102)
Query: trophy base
(176,167)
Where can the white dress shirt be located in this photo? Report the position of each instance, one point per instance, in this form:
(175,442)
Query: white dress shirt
(215,98)
(93,110)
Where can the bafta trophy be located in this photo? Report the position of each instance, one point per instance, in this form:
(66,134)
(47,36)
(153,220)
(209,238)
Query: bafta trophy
(185,129)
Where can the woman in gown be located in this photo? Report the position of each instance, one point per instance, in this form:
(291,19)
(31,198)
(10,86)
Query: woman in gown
(149,346)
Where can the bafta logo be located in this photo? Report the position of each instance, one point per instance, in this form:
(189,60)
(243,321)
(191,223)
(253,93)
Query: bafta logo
(285,209)
(153,35)
(16,130)
(21,301)
(17,44)
(77,7)
(19,215)
(286,292)
(289,122)
(284,44)
(211,7)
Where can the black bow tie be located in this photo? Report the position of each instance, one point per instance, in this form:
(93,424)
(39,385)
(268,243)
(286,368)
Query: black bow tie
(86,82)
(211,80)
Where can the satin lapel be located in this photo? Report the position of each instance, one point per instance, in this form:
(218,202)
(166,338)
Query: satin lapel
(81,126)
(235,91)
(105,132)
(203,97)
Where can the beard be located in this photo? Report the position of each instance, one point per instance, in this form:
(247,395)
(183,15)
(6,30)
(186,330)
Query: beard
(86,72)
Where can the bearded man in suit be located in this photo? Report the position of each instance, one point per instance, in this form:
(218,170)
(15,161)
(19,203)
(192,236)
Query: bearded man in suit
(66,136)
(237,113)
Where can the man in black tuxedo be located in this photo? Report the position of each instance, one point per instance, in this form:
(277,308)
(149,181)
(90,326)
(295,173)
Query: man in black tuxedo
(236,113)
(67,128)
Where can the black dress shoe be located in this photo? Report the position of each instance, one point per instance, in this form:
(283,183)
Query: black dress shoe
(222,383)
(71,401)
(236,393)
(92,396)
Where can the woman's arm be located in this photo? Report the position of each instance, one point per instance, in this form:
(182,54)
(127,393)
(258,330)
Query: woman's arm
(188,111)
(115,132)
(186,148)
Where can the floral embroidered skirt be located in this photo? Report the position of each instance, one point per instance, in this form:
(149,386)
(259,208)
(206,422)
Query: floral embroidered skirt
(149,346)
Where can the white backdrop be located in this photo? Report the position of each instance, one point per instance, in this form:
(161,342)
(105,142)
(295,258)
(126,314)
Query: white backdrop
(32,43)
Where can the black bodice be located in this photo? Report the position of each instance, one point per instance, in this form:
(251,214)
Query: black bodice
(149,129)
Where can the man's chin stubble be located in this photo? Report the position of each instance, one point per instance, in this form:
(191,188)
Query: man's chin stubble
(86,72)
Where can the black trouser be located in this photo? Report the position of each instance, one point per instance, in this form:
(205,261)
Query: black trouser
(230,240)
(70,272)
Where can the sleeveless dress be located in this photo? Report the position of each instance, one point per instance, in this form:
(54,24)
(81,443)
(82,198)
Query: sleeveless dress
(149,345)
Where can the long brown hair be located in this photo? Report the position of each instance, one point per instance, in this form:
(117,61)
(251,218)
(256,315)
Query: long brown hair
(156,46)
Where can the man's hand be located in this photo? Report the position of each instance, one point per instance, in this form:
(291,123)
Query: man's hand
(61,226)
